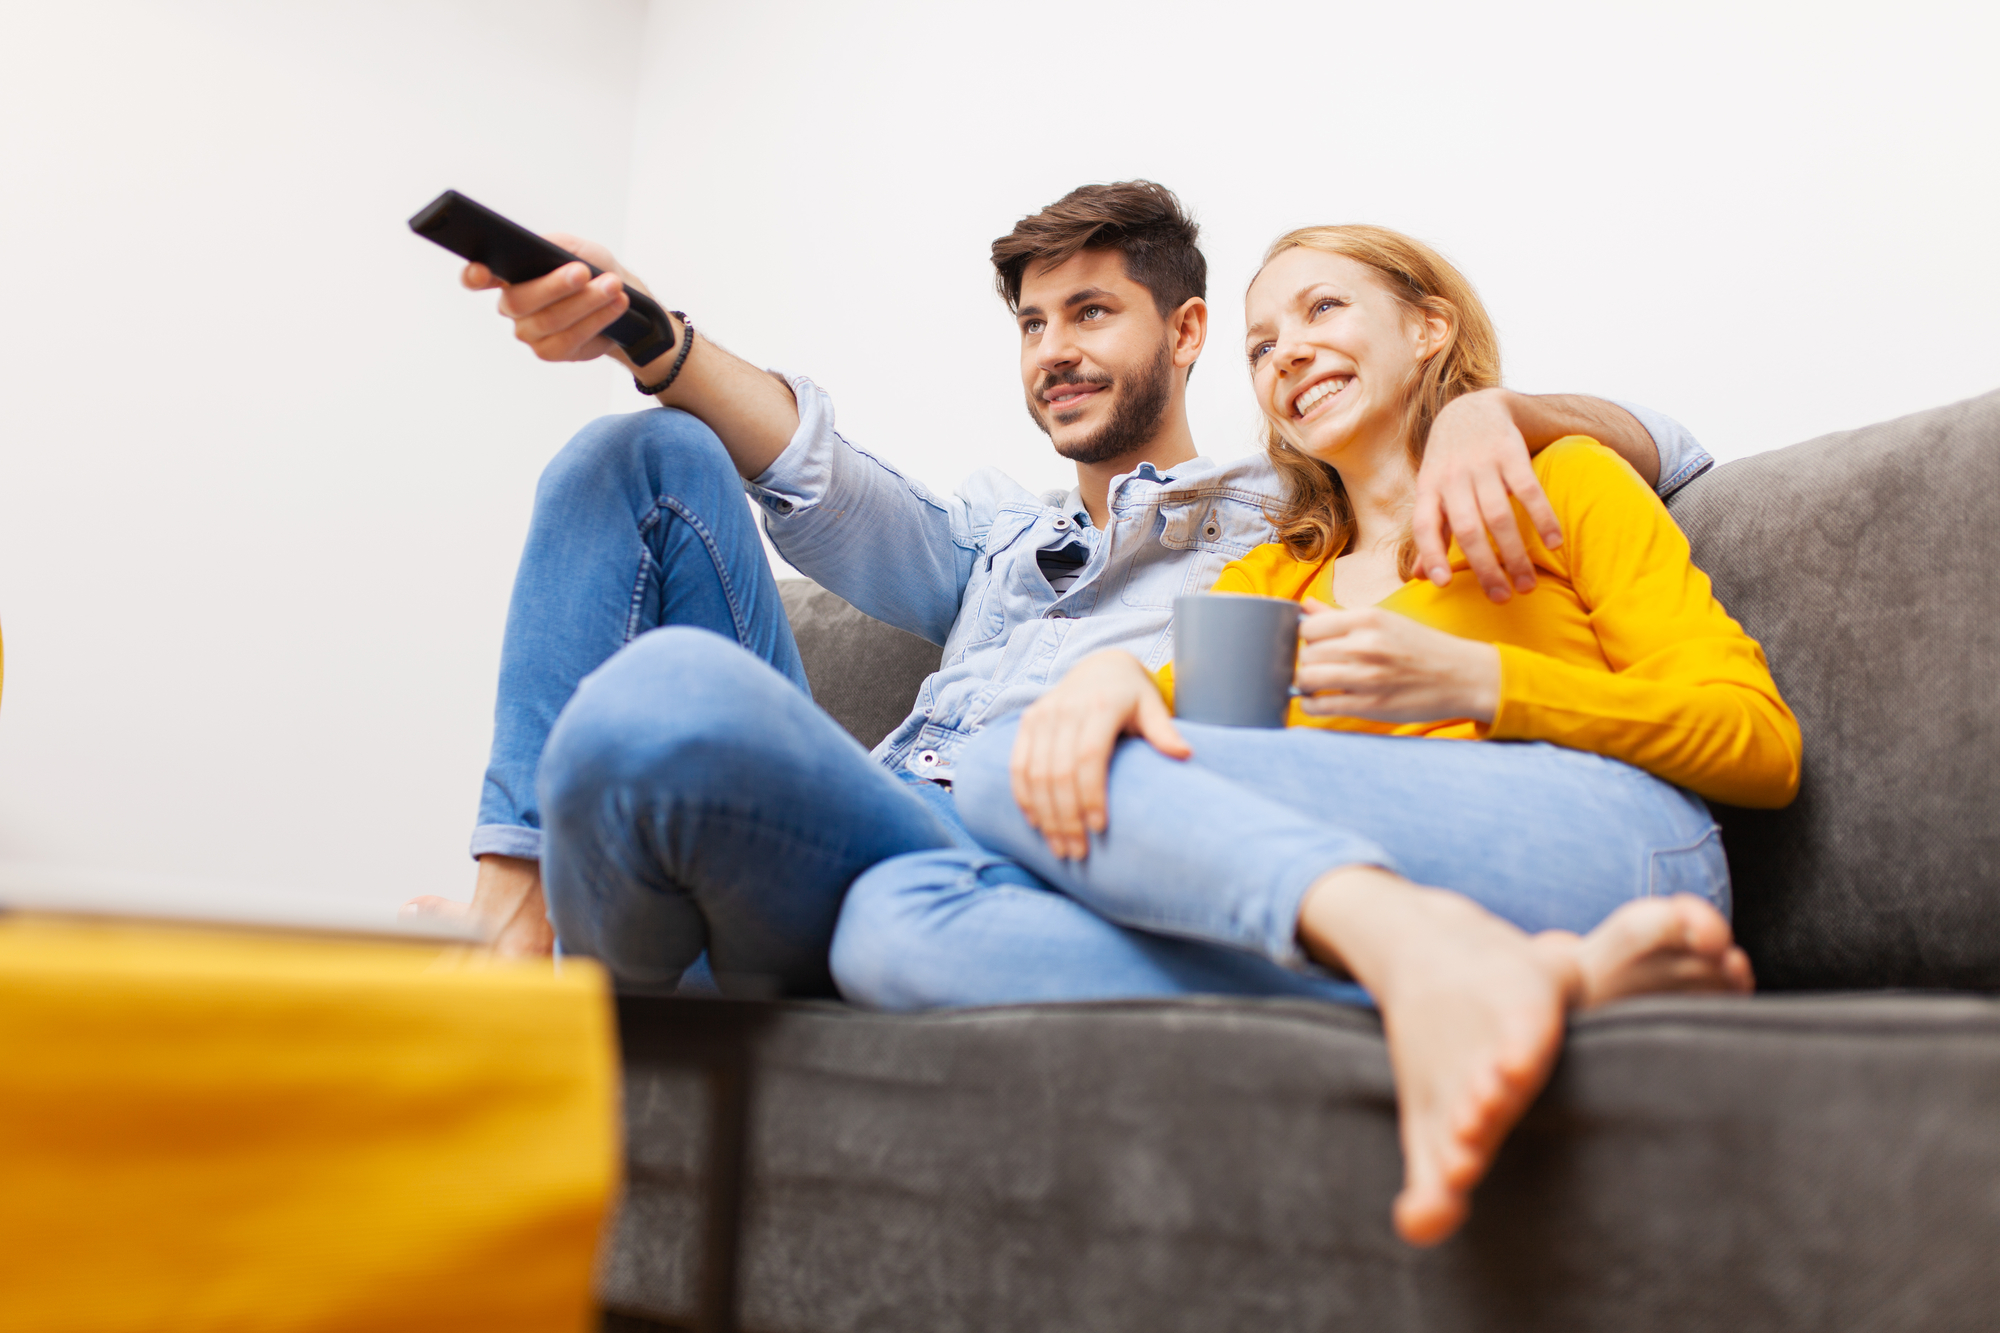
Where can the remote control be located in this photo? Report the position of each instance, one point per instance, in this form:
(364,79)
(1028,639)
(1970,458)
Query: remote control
(475,232)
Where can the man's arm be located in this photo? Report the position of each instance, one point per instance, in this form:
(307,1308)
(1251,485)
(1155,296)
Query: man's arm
(842,517)
(1476,465)
(563,315)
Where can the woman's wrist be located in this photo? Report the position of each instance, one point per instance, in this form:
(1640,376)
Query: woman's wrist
(1480,674)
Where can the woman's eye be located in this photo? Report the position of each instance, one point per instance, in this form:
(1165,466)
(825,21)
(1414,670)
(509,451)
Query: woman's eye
(1321,307)
(1257,352)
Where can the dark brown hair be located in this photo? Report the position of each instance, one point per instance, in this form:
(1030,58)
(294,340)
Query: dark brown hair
(1316,521)
(1139,219)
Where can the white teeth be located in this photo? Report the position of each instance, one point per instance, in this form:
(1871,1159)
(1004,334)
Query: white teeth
(1320,392)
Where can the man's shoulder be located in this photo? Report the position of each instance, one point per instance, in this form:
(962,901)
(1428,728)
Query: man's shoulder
(988,490)
(1251,474)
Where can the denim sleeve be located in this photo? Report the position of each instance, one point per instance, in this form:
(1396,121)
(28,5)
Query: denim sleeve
(1682,458)
(861,529)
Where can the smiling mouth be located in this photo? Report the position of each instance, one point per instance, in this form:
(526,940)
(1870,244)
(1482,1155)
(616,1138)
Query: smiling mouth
(1316,395)
(1065,397)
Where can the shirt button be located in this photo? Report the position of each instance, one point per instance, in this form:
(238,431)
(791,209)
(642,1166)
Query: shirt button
(1062,525)
(1058,614)
(927,759)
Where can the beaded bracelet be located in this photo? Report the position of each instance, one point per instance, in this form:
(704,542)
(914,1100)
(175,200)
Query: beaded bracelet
(687,344)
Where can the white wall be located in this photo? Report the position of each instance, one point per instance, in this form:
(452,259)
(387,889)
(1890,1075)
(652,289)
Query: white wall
(1770,220)
(264,470)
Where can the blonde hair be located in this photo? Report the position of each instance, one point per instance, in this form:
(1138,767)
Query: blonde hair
(1316,519)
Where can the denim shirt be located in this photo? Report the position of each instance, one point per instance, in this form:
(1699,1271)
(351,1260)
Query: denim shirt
(963,571)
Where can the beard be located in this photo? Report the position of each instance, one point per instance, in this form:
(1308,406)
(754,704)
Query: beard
(1135,417)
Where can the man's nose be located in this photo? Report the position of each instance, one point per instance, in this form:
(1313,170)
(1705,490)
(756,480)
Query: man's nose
(1058,350)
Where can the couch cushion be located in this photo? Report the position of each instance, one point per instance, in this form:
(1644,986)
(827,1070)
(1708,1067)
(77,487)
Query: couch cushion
(1778,1163)
(1868,565)
(863,672)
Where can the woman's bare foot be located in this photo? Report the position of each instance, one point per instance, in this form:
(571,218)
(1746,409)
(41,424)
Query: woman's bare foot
(1657,946)
(506,901)
(1473,1010)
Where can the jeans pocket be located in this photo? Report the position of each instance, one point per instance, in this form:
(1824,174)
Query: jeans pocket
(1699,867)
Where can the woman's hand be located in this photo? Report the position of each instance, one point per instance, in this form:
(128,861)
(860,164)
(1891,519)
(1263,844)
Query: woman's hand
(1063,750)
(1376,664)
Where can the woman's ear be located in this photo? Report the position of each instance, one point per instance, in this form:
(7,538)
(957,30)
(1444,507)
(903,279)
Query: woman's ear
(1433,330)
(1190,330)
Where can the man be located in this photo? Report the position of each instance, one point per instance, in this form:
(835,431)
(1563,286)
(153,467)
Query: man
(660,776)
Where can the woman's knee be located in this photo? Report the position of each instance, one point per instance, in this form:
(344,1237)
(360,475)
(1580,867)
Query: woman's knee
(636,451)
(982,779)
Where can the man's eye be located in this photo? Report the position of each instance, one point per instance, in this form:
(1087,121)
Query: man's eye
(1032,327)
(1093,311)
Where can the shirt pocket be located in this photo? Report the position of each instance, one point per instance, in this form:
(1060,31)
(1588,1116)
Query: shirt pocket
(990,592)
(1194,538)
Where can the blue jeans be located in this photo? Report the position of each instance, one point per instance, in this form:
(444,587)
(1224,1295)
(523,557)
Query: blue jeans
(1196,883)
(655,745)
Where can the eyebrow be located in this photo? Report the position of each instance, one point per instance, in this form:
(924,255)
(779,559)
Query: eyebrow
(1070,302)
(1305,292)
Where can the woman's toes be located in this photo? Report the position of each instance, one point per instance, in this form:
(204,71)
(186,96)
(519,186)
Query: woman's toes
(1658,945)
(1703,929)
(1428,1214)
(1737,972)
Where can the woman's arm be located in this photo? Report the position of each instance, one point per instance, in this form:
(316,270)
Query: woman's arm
(1689,697)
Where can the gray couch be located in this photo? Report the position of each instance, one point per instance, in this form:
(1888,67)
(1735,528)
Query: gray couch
(1825,1155)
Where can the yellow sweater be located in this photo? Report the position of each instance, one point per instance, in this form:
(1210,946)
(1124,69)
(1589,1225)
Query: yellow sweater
(1621,649)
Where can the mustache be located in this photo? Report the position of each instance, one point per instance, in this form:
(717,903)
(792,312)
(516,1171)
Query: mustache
(1067,377)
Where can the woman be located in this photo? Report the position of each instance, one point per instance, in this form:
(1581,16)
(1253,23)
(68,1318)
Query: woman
(1478,892)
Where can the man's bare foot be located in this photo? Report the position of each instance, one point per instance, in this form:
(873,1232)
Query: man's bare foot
(506,902)
(1656,946)
(1473,1010)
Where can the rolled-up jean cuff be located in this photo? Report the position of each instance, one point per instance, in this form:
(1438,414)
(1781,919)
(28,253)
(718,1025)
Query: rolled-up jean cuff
(1282,930)
(507,840)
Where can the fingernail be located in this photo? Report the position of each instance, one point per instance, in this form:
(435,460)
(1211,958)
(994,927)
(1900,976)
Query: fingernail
(1526,583)
(1500,594)
(1553,540)
(1440,575)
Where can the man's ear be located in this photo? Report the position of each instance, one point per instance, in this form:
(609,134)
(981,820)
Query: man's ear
(1190,330)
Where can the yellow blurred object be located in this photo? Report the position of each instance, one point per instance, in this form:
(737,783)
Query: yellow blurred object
(202,1129)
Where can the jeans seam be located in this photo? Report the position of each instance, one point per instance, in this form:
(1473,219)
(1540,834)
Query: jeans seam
(1713,832)
(667,502)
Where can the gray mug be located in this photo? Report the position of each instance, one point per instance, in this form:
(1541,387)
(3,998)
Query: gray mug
(1234,657)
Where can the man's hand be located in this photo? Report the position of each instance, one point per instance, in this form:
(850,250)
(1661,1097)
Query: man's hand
(1475,465)
(1063,750)
(563,315)
(506,907)
(1376,664)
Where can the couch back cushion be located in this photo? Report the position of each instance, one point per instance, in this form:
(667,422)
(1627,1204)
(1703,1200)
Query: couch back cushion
(1868,565)
(863,672)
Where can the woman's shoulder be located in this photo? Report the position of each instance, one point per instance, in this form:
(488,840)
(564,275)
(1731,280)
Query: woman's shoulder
(1270,570)
(1578,467)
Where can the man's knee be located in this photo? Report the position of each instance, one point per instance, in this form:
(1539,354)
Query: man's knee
(636,449)
(662,708)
